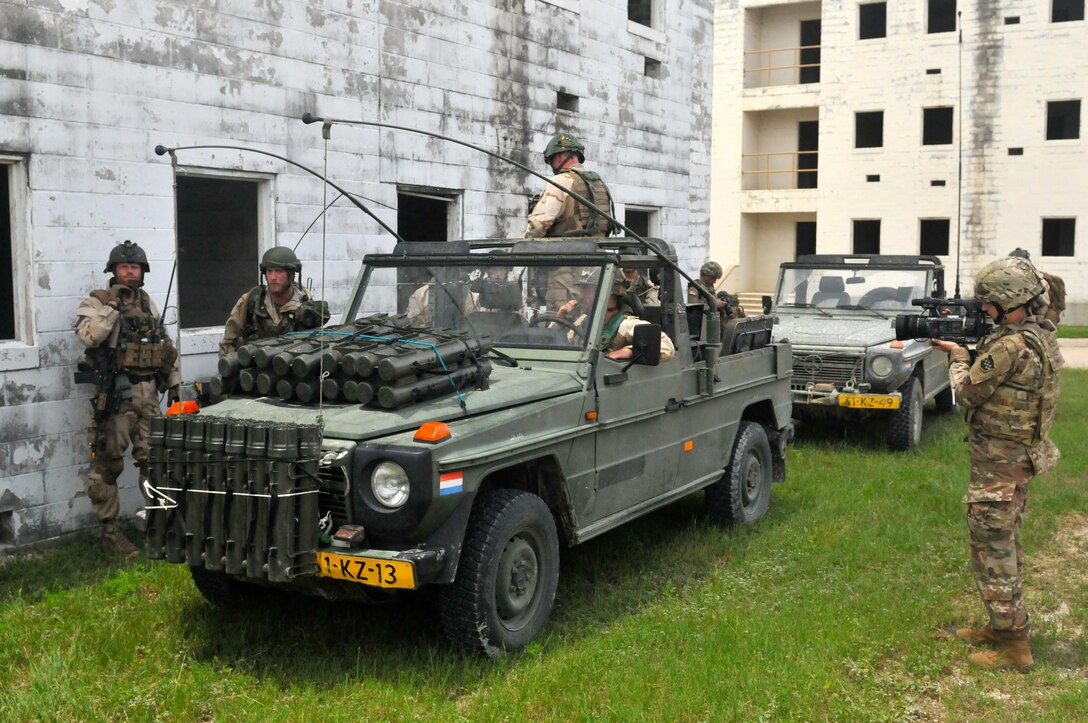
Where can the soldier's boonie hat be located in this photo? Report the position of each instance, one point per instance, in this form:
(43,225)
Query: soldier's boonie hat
(712,269)
(280,257)
(127,253)
(565,142)
(1009,282)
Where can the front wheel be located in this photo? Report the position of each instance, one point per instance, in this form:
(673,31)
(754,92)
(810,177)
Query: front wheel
(905,430)
(743,494)
(506,577)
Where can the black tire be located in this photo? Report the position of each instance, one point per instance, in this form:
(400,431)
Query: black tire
(905,428)
(512,540)
(945,400)
(222,590)
(743,494)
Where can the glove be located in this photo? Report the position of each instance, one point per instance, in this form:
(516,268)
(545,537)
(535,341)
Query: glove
(119,295)
(173,395)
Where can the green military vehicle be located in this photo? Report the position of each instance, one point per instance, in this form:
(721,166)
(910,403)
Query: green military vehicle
(454,429)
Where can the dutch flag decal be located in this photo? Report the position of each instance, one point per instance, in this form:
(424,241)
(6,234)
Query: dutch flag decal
(450,483)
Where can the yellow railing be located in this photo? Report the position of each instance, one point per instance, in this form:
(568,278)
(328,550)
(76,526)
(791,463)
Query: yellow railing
(776,170)
(777,66)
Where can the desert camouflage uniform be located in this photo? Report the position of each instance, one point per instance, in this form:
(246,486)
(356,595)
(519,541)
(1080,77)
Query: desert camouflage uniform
(299,313)
(98,327)
(1011,392)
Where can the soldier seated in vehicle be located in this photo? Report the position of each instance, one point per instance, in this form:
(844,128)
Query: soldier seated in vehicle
(620,323)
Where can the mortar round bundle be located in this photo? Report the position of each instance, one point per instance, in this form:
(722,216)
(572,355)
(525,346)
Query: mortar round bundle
(344,365)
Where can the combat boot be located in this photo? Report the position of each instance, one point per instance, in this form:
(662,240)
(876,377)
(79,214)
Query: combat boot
(981,634)
(1012,651)
(114,540)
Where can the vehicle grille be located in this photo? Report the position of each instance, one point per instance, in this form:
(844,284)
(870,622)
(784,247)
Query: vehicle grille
(333,498)
(826,368)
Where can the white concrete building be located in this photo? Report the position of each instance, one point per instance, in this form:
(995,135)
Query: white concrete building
(868,127)
(87,89)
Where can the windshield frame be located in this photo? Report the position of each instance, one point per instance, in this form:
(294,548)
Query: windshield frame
(895,299)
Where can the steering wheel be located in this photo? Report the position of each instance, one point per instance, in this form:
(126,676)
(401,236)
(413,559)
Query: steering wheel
(549,318)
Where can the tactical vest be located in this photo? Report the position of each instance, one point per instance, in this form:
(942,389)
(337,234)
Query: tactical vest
(143,346)
(257,324)
(591,186)
(1022,409)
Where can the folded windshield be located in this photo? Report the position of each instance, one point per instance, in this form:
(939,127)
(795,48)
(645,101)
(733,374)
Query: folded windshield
(526,304)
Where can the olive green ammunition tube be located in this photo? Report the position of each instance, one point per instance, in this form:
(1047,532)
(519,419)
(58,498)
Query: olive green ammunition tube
(214,444)
(229,365)
(285,389)
(247,380)
(257,505)
(266,382)
(392,397)
(424,359)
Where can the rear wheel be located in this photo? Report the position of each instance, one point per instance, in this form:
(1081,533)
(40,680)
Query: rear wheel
(905,430)
(743,494)
(506,577)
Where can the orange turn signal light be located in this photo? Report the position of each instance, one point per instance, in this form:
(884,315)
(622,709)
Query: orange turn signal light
(689,445)
(591,415)
(189,406)
(896,344)
(432,432)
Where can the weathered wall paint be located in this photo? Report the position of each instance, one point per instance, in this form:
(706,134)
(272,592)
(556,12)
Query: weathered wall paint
(88,87)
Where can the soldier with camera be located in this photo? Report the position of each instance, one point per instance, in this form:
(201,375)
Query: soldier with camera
(131,360)
(1011,391)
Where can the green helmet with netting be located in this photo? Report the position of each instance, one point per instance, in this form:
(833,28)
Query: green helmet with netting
(1008,283)
(565,142)
(712,269)
(280,257)
(127,253)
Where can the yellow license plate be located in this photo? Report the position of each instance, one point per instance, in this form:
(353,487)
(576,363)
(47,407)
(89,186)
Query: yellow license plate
(868,401)
(372,571)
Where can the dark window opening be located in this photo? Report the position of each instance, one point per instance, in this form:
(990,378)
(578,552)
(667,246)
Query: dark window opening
(7,257)
(808,145)
(652,68)
(217,247)
(1016,151)
(638,221)
(869,129)
(809,57)
(1059,235)
(873,178)
(937,183)
(933,236)
(641,12)
(566,101)
(1062,120)
(1012,20)
(942,16)
(1064,11)
(418,219)
(936,126)
(805,238)
(872,21)
(866,236)
(933,71)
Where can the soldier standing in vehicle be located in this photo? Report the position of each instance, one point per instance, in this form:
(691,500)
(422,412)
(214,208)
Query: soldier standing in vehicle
(276,306)
(1055,289)
(559,214)
(132,360)
(1011,392)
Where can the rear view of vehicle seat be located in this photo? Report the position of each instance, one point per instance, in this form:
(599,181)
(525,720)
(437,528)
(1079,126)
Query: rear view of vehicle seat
(832,292)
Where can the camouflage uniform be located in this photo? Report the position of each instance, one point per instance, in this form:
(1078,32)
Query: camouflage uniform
(255,316)
(129,343)
(1011,392)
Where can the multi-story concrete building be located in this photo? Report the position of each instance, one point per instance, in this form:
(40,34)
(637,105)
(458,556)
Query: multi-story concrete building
(87,89)
(917,126)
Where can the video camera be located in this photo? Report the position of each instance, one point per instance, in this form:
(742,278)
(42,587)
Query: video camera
(961,321)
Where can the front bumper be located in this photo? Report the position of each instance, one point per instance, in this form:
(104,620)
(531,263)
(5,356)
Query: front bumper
(828,396)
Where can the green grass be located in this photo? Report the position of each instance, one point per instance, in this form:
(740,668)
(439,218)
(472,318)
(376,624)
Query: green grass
(838,606)
(1073,332)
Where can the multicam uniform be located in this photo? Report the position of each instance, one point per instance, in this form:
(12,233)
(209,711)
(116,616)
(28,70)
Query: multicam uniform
(130,343)
(255,316)
(1011,392)
(696,297)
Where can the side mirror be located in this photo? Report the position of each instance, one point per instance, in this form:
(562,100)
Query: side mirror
(646,346)
(768,302)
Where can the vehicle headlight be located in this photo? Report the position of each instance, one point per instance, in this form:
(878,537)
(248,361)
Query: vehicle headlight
(881,366)
(389,482)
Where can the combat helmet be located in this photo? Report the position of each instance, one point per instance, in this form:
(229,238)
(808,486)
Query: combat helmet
(565,142)
(1008,283)
(127,253)
(619,285)
(280,257)
(712,269)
